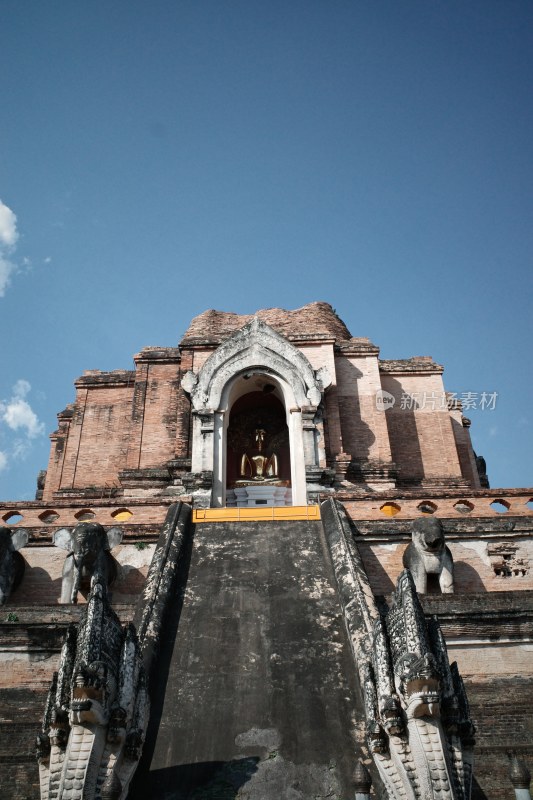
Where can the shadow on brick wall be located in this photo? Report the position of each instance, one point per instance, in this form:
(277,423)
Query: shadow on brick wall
(404,436)
(380,581)
(477,791)
(466,579)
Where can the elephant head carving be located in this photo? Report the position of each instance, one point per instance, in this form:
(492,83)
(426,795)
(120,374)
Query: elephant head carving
(427,554)
(88,546)
(11,562)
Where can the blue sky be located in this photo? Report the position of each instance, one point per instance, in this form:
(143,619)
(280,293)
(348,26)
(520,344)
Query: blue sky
(167,157)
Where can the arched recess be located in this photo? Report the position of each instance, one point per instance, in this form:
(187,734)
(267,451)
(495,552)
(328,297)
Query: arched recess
(255,350)
(257,438)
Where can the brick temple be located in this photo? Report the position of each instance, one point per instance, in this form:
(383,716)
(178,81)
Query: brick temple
(235,562)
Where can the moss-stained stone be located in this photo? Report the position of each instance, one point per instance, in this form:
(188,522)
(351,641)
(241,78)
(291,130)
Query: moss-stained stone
(256,693)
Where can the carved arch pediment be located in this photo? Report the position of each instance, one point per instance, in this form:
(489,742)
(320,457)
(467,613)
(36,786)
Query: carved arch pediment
(255,346)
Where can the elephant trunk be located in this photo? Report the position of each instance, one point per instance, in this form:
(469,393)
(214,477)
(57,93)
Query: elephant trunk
(76,582)
(6,577)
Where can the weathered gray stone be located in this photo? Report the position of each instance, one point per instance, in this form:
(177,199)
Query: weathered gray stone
(97,708)
(428,555)
(11,562)
(256,694)
(160,582)
(417,718)
(87,545)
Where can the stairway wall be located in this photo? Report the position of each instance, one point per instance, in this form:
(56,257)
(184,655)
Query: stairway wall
(255,694)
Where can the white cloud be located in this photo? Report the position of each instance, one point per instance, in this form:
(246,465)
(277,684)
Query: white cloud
(3,461)
(17,413)
(8,227)
(20,449)
(8,239)
(6,270)
(21,388)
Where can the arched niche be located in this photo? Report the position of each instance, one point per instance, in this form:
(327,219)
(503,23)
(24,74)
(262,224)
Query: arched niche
(258,353)
(257,426)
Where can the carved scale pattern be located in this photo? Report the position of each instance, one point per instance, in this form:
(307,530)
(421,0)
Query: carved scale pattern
(418,723)
(97,708)
(418,726)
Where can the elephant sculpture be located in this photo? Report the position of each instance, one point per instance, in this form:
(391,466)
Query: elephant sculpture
(88,546)
(11,562)
(427,554)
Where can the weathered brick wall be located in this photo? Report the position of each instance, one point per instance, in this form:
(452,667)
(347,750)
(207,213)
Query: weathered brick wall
(182,445)
(473,571)
(490,637)
(160,413)
(322,355)
(480,547)
(146,512)
(465,451)
(58,445)
(446,503)
(117,424)
(421,437)
(96,447)
(364,428)
(503,714)
(44,569)
(30,643)
(313,318)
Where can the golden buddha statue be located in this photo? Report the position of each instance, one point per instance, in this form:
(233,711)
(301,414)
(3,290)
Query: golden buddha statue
(259,467)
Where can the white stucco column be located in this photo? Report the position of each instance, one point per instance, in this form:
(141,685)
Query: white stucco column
(296,440)
(220,450)
(202,440)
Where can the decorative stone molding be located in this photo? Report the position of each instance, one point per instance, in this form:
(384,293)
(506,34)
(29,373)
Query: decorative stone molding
(255,345)
(256,349)
(505,560)
(376,475)
(362,782)
(418,725)
(520,778)
(151,477)
(341,466)
(97,709)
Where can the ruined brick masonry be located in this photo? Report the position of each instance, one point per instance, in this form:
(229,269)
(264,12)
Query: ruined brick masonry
(133,442)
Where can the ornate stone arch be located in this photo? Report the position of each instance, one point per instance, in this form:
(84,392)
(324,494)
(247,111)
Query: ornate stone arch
(254,348)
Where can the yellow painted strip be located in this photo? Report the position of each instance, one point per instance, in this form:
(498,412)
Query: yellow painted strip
(268,514)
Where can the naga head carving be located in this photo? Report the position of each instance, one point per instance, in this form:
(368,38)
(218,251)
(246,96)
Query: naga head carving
(134,743)
(59,728)
(378,742)
(90,693)
(420,682)
(42,746)
(391,715)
